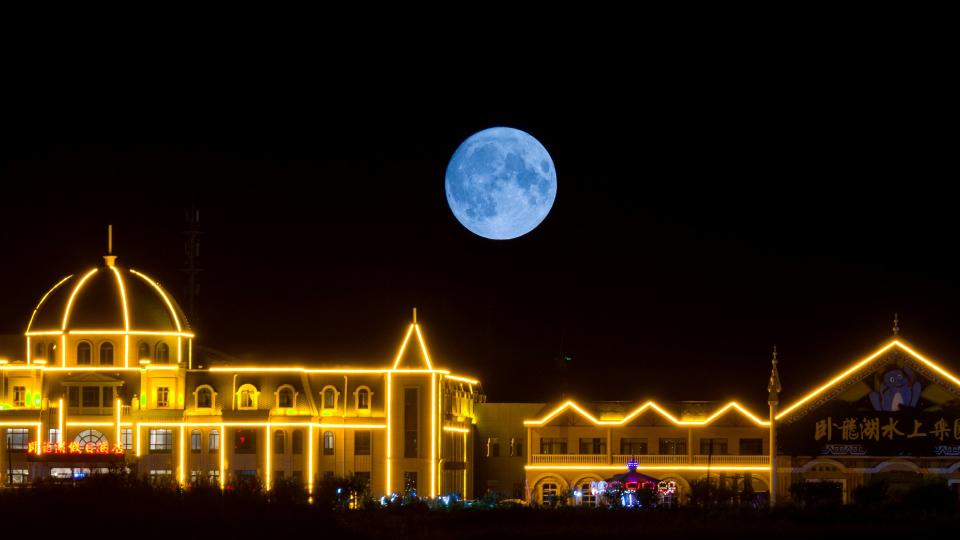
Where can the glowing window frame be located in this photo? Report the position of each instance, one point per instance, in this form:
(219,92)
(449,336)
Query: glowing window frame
(196,398)
(323,401)
(144,345)
(76,358)
(113,354)
(356,399)
(254,397)
(294,394)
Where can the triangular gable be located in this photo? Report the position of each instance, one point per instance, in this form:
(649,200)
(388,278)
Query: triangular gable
(648,406)
(413,351)
(893,352)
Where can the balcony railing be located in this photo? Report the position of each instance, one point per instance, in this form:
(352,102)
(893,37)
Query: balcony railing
(647,459)
(362,463)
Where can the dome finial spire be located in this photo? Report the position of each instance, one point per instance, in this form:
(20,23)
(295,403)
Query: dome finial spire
(110,259)
(414,315)
(896,325)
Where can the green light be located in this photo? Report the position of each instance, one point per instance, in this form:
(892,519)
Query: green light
(36,400)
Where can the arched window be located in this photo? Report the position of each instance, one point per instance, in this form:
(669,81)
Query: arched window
(285,397)
(84,353)
(328,443)
(297,442)
(195,438)
(363,399)
(214,440)
(163,353)
(247,397)
(278,440)
(90,437)
(329,398)
(106,353)
(204,398)
(143,351)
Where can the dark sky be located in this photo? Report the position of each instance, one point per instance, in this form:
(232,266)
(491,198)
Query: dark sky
(710,205)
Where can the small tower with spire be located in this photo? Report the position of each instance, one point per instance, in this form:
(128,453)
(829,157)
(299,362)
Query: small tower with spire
(773,400)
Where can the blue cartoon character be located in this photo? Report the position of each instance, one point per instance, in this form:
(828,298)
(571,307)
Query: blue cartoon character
(898,388)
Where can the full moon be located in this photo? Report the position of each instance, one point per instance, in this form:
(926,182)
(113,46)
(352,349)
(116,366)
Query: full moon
(501,183)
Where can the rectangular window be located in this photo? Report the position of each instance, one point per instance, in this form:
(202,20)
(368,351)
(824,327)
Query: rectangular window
(213,476)
(493,447)
(161,441)
(296,445)
(410,482)
(126,438)
(593,446)
(214,441)
(160,476)
(19,476)
(751,447)
(713,447)
(18,438)
(73,396)
(553,445)
(91,396)
(163,396)
(245,441)
(633,446)
(410,422)
(361,443)
(196,477)
(19,396)
(516,447)
(107,396)
(53,436)
(196,439)
(674,447)
(328,443)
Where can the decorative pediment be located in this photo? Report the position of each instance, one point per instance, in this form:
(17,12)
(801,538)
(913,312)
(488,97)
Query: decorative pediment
(893,377)
(90,377)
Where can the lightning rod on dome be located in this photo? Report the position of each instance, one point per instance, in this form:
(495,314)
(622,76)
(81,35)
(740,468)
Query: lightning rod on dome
(896,324)
(414,315)
(109,259)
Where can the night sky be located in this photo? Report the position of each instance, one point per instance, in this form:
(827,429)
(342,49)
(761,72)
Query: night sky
(706,210)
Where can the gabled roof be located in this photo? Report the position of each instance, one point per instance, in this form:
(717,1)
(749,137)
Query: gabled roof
(649,405)
(413,356)
(861,369)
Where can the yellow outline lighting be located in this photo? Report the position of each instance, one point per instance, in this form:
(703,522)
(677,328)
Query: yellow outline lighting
(60,419)
(433,434)
(863,363)
(423,346)
(158,367)
(463,379)
(66,311)
(267,474)
(126,317)
(389,434)
(636,412)
(118,420)
(43,299)
(182,473)
(310,459)
(456,429)
(96,424)
(648,467)
(104,331)
(63,350)
(403,346)
(223,444)
(159,289)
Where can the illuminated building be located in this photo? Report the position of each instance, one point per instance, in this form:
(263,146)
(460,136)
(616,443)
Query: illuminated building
(108,381)
(893,416)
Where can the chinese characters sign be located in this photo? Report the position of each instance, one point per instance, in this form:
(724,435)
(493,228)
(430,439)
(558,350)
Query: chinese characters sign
(76,448)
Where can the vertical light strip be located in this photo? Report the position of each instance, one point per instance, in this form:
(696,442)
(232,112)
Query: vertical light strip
(63,350)
(266,475)
(389,435)
(118,422)
(310,459)
(182,457)
(179,350)
(138,439)
(29,361)
(39,438)
(60,422)
(223,444)
(126,317)
(189,353)
(433,434)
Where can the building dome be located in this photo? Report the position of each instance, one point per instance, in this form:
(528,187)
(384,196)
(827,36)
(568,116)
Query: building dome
(110,298)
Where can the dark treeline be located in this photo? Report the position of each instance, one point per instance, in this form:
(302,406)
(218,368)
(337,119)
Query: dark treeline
(120,505)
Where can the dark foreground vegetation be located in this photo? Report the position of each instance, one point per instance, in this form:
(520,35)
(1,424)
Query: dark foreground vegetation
(127,507)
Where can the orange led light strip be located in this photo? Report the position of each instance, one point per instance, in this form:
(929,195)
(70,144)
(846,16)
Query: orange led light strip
(639,410)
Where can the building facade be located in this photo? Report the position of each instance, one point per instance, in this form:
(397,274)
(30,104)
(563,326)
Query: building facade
(108,381)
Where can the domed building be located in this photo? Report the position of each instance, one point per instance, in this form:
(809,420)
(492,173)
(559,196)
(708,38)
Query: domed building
(108,382)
